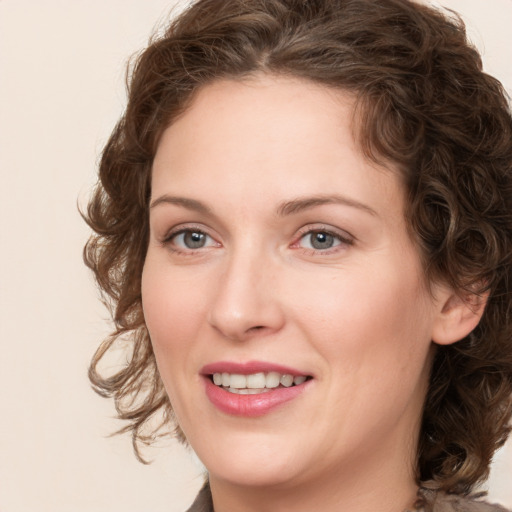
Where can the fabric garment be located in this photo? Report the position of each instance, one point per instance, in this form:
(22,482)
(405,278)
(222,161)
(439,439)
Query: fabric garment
(203,501)
(430,501)
(435,501)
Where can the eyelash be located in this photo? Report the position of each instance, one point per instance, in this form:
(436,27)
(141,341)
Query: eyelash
(343,240)
(169,240)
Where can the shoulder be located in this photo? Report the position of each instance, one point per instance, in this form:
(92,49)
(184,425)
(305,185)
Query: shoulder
(203,501)
(433,501)
(437,501)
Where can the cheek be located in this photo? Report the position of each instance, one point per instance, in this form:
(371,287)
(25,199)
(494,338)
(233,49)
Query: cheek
(172,306)
(373,313)
(372,332)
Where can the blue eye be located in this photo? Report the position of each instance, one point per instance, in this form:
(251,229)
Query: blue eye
(321,240)
(191,239)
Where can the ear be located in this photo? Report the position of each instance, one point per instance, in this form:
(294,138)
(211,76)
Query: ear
(457,315)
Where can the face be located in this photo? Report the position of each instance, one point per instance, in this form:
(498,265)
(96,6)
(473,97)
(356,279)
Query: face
(283,295)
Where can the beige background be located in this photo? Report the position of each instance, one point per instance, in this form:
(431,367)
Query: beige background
(61,90)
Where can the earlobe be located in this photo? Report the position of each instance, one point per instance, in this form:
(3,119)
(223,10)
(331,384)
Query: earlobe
(457,316)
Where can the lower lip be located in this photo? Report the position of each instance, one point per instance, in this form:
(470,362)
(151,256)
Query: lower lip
(251,405)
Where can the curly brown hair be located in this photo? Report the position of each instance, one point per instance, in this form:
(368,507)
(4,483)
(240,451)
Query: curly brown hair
(424,103)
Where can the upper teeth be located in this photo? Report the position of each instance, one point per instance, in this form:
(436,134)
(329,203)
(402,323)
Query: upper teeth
(257,380)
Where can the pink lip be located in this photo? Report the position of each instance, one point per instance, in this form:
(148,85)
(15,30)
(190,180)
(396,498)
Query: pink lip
(248,368)
(249,405)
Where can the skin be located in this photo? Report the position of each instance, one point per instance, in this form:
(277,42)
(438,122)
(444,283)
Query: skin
(356,316)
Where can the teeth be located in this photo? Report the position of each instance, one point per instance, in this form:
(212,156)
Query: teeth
(286,380)
(247,391)
(238,381)
(255,382)
(272,380)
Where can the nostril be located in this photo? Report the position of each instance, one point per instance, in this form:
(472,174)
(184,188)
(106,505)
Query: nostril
(256,328)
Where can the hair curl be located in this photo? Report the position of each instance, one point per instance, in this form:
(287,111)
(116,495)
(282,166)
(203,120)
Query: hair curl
(425,104)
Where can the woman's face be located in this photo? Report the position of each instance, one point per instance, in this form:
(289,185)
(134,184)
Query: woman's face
(278,253)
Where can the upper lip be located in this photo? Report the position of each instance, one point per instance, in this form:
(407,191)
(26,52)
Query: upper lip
(248,368)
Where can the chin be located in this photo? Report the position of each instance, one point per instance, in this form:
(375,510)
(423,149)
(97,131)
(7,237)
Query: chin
(253,464)
(240,473)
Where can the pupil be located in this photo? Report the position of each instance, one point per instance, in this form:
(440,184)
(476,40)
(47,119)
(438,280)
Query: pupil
(194,240)
(321,240)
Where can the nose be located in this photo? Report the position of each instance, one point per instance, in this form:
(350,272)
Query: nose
(247,301)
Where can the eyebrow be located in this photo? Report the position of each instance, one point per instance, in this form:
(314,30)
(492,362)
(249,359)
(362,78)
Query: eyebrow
(304,203)
(287,208)
(185,202)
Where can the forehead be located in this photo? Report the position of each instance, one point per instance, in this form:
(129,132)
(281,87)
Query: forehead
(268,136)
(271,108)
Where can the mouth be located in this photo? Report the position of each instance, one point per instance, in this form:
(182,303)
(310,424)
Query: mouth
(254,388)
(256,383)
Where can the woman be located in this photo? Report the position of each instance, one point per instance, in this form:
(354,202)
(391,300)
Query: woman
(303,225)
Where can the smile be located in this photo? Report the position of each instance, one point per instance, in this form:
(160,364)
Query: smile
(255,383)
(253,388)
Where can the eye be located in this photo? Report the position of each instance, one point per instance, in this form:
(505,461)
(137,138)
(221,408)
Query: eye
(319,240)
(190,239)
(322,240)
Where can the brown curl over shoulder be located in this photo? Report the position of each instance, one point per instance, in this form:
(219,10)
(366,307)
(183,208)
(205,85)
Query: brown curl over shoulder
(424,104)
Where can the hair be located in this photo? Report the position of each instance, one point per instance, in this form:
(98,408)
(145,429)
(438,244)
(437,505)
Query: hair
(425,105)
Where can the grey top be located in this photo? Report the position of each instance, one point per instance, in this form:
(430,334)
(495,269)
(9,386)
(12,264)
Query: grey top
(437,501)
(430,500)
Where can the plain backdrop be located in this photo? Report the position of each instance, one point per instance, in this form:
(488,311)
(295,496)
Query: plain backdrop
(61,91)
